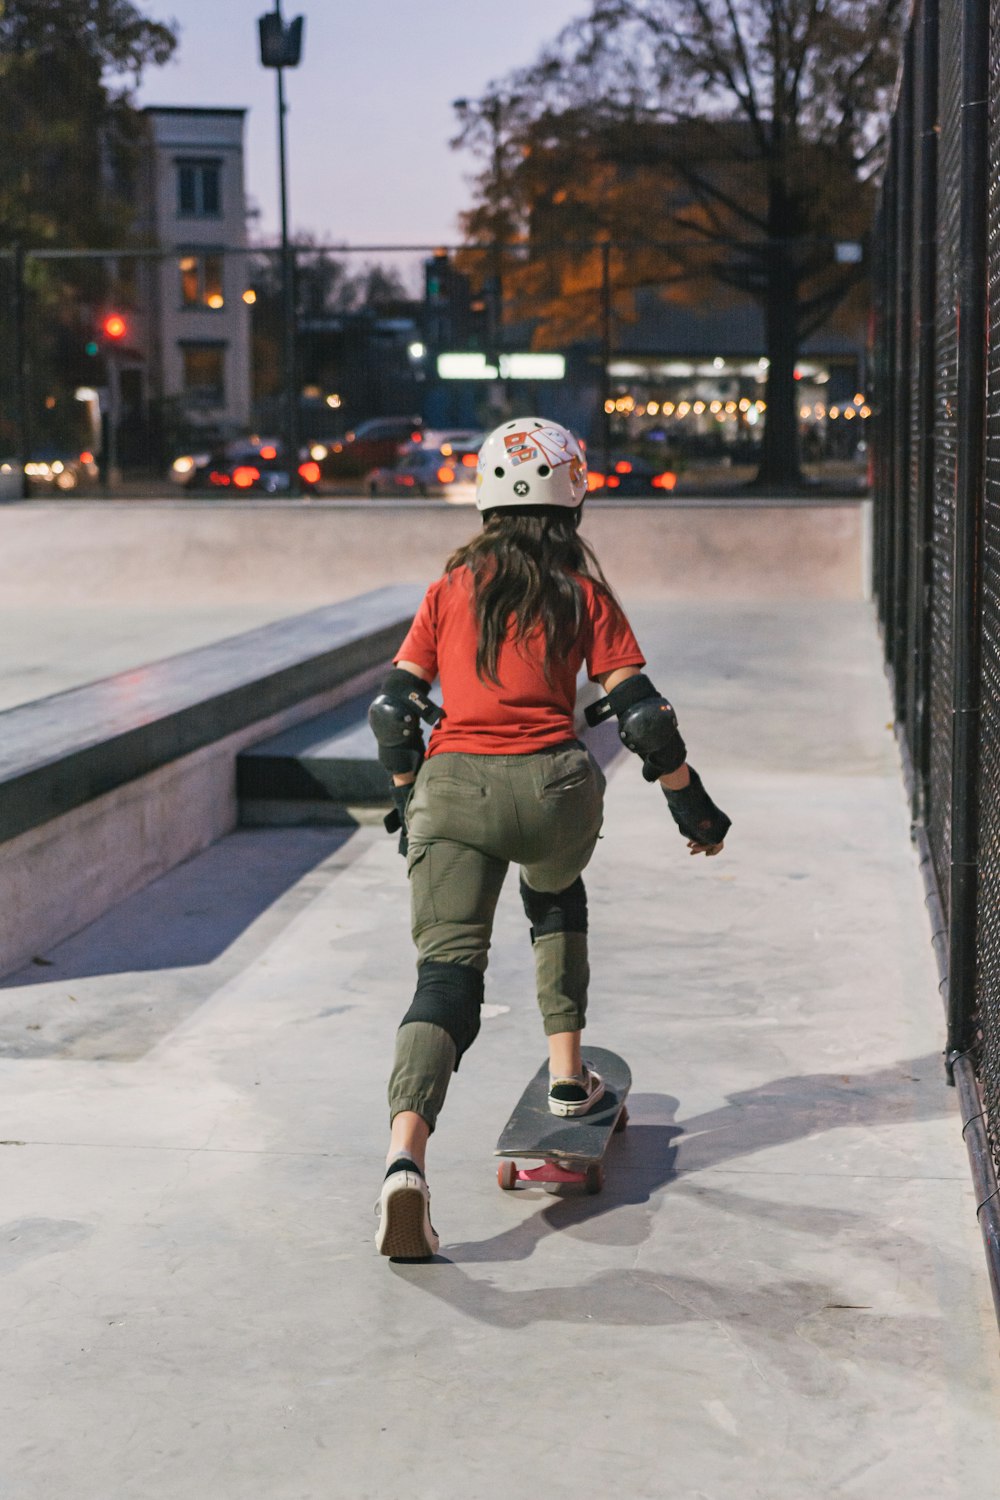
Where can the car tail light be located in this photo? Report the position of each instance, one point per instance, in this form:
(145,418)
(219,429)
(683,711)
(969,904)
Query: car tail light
(269,452)
(623,466)
(244,475)
(407,479)
(664,481)
(220,479)
(86,457)
(416,437)
(310,472)
(445,474)
(469,460)
(594,480)
(613,481)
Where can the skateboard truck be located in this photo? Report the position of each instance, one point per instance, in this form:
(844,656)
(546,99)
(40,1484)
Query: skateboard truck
(509,1174)
(567,1150)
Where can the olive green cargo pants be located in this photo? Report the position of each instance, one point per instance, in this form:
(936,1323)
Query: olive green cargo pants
(469,818)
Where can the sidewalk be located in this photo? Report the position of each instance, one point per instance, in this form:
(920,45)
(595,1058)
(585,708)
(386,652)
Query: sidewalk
(781,1293)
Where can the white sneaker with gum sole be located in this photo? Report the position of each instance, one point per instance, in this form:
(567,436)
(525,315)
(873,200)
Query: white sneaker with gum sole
(405,1231)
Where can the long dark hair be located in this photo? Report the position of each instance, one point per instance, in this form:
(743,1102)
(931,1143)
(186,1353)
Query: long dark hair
(525,566)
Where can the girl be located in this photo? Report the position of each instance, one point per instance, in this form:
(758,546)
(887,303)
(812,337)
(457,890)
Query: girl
(519,609)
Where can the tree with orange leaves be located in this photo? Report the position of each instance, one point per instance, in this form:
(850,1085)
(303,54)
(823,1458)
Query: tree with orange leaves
(709,142)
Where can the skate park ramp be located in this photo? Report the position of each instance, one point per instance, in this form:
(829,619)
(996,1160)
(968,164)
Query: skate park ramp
(89,589)
(780,1293)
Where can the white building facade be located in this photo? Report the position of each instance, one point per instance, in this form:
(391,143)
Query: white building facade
(194,324)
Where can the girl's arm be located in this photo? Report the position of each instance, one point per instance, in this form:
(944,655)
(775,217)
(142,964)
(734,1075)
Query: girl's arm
(673,781)
(406,777)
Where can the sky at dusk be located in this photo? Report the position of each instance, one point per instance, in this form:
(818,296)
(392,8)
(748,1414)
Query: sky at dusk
(369,108)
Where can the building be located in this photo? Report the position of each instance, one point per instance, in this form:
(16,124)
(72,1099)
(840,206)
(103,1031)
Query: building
(193,330)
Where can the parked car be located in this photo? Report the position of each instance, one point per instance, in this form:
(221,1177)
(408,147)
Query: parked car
(11,480)
(627,477)
(446,469)
(185,467)
(61,471)
(372,444)
(245,468)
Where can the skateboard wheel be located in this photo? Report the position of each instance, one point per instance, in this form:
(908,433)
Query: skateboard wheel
(507,1175)
(622,1120)
(595,1177)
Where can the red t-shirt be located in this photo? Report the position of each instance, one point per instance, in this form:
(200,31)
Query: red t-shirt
(525,712)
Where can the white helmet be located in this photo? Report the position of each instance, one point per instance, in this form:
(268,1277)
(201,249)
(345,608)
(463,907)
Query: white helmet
(531,462)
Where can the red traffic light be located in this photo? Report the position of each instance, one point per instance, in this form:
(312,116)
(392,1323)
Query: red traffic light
(114,327)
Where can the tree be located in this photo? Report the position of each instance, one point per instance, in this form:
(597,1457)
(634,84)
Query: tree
(67,68)
(72,128)
(734,140)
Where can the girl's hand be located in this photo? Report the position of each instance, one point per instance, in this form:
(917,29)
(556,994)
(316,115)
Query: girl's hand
(706,849)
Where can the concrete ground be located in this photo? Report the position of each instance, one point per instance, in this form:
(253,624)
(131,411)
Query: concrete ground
(781,1293)
(61,646)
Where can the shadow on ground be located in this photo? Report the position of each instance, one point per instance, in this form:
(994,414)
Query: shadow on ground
(191,915)
(657,1150)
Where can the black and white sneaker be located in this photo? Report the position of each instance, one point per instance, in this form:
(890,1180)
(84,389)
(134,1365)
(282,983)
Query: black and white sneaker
(577,1095)
(404,1208)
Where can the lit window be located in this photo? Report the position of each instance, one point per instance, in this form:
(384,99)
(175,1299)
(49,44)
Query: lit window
(199,189)
(201,281)
(204,374)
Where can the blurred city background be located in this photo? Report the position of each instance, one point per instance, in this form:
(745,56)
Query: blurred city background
(609,230)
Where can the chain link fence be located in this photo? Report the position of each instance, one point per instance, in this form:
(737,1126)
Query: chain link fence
(937,520)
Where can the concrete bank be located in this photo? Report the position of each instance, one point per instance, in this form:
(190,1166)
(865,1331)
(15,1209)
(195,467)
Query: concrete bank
(218,553)
(781,1293)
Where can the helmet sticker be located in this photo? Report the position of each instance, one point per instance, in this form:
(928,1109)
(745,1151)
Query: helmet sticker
(521,487)
(519,448)
(549,442)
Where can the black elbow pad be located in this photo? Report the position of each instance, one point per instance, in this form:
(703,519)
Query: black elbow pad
(647,725)
(395,717)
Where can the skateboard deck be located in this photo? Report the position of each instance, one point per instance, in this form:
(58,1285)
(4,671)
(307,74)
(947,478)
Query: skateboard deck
(571,1149)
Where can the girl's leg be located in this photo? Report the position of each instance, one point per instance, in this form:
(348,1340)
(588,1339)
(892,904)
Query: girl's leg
(562,968)
(454,890)
(565,1060)
(409,1136)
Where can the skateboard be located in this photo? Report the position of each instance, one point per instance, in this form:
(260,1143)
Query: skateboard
(571,1150)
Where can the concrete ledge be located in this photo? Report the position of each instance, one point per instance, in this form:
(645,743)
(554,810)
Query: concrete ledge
(90,820)
(62,752)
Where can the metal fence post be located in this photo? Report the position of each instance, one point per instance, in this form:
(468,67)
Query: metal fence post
(971,449)
(897,627)
(21,368)
(926,305)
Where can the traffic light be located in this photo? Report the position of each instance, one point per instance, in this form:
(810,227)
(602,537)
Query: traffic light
(114,327)
(446,303)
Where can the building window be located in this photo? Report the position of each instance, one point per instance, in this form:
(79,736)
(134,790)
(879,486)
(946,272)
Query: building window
(204,374)
(201,281)
(199,189)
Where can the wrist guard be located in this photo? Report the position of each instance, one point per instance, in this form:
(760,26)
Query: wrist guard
(395,821)
(647,725)
(395,717)
(695,814)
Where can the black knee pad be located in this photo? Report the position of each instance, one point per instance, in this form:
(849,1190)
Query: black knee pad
(449,996)
(559,911)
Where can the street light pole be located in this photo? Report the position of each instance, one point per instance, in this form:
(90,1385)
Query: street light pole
(281,48)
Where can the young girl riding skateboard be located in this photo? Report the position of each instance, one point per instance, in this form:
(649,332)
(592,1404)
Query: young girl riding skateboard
(518,611)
